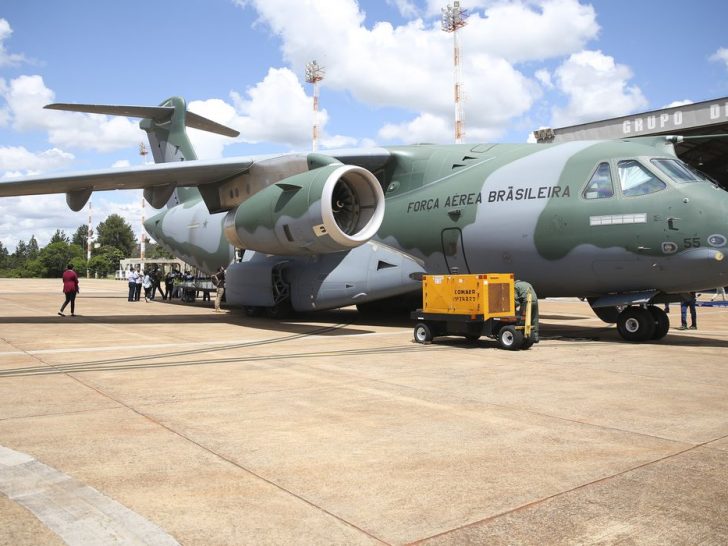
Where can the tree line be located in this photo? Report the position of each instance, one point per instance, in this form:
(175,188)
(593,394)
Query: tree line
(114,241)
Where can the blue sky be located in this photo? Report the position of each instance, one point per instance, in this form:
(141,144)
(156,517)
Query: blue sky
(526,64)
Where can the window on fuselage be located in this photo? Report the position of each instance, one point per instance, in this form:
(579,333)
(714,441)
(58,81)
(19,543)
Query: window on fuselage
(600,184)
(679,171)
(635,179)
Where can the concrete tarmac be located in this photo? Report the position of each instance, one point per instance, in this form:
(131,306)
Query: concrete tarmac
(156,423)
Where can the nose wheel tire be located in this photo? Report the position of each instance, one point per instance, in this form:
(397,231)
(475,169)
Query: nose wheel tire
(636,324)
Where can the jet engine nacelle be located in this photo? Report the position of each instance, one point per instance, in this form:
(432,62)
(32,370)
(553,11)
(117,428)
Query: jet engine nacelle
(330,209)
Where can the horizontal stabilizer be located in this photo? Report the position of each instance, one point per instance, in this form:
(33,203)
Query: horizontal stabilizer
(159,114)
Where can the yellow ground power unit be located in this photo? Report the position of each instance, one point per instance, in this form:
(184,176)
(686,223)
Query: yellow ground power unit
(476,305)
(490,295)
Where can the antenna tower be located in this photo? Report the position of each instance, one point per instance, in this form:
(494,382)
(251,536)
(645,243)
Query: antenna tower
(314,74)
(454,18)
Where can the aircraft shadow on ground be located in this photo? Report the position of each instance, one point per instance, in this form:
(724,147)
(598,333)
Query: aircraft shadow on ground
(569,332)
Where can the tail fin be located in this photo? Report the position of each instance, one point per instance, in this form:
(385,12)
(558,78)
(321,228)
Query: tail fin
(165,126)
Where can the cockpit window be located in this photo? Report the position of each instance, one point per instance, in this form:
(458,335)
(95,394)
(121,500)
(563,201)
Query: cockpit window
(600,184)
(635,179)
(679,171)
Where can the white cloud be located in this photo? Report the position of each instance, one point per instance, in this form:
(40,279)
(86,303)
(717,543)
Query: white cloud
(42,215)
(406,8)
(424,128)
(597,88)
(544,77)
(677,103)
(8,59)
(18,158)
(721,56)
(525,30)
(410,66)
(25,98)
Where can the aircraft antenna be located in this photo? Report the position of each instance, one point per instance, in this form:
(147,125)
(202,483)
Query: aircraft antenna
(314,74)
(142,239)
(454,18)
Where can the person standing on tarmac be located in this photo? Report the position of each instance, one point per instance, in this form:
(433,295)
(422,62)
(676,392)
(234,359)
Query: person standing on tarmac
(219,280)
(522,289)
(687,303)
(138,284)
(70,289)
(131,279)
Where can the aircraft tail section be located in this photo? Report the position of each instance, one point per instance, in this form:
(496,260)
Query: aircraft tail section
(165,126)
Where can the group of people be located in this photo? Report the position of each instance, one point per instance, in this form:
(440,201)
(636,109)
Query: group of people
(150,281)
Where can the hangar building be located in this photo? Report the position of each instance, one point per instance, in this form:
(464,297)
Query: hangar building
(706,118)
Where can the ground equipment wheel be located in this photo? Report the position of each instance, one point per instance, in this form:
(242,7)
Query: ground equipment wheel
(636,324)
(662,322)
(509,338)
(527,343)
(423,333)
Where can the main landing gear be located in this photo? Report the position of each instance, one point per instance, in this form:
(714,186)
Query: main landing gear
(638,324)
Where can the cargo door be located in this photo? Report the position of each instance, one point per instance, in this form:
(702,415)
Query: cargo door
(452,249)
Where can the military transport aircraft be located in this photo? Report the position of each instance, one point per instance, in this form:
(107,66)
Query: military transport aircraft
(624,224)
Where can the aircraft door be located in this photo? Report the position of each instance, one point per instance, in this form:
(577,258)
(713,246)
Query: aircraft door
(453,250)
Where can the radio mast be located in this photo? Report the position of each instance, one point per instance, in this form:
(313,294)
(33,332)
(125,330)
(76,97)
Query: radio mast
(314,74)
(454,18)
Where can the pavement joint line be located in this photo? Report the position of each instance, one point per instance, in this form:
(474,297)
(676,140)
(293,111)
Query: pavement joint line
(219,455)
(232,462)
(543,500)
(470,413)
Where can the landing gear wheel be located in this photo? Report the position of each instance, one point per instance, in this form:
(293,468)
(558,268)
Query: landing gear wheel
(662,322)
(423,333)
(636,324)
(509,338)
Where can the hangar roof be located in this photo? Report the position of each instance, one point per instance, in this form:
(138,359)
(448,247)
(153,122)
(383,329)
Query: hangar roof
(705,118)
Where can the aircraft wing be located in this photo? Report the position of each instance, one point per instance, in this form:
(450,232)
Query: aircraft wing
(167,175)
(212,177)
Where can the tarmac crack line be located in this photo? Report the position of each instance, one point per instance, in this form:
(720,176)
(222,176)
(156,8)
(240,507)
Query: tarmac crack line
(211,451)
(215,453)
(543,500)
(359,378)
(233,462)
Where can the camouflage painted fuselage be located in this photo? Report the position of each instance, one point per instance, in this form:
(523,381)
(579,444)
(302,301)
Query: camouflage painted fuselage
(522,208)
